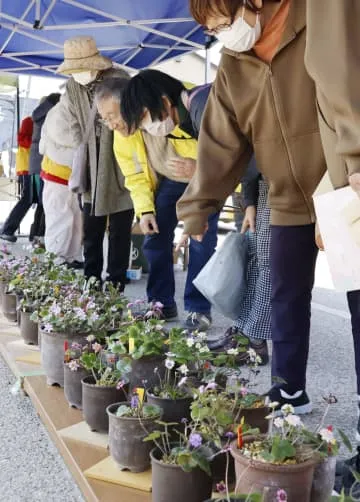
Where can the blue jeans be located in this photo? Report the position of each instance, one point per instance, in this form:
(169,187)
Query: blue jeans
(158,249)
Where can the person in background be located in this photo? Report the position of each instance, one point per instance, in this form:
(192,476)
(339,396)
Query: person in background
(107,201)
(273,115)
(63,218)
(28,195)
(38,117)
(157,164)
(332,59)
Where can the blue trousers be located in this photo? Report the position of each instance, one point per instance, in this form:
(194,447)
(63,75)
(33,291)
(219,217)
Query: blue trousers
(158,249)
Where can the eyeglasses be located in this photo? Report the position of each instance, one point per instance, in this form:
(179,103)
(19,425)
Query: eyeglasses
(247,4)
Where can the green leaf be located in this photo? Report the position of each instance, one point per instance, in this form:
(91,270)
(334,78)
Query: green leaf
(345,439)
(282,449)
(202,462)
(151,410)
(123,410)
(224,418)
(153,436)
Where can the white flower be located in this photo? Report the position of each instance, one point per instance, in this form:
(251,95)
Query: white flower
(90,338)
(293,420)
(273,404)
(198,345)
(233,352)
(169,364)
(170,354)
(184,370)
(113,308)
(96,347)
(158,327)
(279,422)
(80,313)
(73,365)
(201,389)
(252,355)
(327,435)
(258,359)
(47,327)
(204,350)
(190,342)
(94,317)
(182,381)
(91,305)
(202,336)
(55,309)
(287,409)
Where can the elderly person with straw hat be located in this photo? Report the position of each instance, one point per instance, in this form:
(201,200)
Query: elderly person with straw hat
(107,198)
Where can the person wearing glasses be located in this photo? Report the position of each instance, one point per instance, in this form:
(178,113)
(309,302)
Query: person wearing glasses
(263,103)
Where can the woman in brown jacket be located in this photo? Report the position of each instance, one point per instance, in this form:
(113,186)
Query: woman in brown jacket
(263,101)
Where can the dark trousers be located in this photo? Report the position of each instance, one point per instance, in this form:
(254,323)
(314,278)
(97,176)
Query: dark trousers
(293,255)
(27,198)
(119,244)
(353,298)
(158,249)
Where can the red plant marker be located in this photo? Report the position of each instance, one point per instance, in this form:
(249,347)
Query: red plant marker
(240,439)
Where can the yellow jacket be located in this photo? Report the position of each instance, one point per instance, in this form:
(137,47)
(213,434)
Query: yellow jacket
(140,179)
(22,161)
(52,171)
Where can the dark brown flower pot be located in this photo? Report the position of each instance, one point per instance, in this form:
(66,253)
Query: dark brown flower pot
(95,400)
(171,483)
(28,329)
(52,354)
(3,286)
(73,386)
(18,305)
(126,440)
(218,469)
(261,477)
(173,409)
(324,480)
(255,417)
(9,306)
(143,370)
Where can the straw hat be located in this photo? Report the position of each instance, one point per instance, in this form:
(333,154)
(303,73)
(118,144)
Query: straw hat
(81,54)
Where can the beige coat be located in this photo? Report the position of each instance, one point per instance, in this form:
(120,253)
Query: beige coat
(333,60)
(268,109)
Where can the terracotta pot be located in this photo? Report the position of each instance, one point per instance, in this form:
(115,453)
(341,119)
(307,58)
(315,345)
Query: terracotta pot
(324,480)
(73,386)
(171,483)
(95,400)
(126,435)
(265,478)
(28,328)
(173,409)
(9,306)
(143,369)
(255,417)
(52,354)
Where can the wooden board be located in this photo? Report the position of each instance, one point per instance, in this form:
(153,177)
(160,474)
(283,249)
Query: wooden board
(82,433)
(108,471)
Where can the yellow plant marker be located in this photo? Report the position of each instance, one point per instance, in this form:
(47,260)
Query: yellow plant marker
(131,345)
(141,393)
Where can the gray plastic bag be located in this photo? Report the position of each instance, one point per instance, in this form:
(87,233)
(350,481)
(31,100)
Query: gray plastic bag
(223,279)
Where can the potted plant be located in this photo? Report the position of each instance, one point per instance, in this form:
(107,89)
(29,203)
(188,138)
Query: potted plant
(68,318)
(283,459)
(9,270)
(171,393)
(142,342)
(129,424)
(180,471)
(105,386)
(74,372)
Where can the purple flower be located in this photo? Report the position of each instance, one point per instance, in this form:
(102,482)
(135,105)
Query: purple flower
(281,496)
(229,435)
(134,403)
(195,440)
(120,384)
(211,386)
(221,487)
(184,420)
(129,305)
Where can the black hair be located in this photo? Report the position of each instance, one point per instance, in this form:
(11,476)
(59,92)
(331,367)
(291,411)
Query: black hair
(146,90)
(111,88)
(54,98)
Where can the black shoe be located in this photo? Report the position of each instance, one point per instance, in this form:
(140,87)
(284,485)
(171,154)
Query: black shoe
(169,313)
(299,400)
(76,265)
(8,238)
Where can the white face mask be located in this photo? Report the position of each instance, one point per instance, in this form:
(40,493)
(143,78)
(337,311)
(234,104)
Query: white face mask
(241,37)
(158,127)
(84,77)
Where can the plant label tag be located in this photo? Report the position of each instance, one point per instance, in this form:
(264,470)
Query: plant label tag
(141,393)
(131,345)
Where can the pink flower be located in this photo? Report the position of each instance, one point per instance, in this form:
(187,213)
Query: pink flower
(281,496)
(96,347)
(221,487)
